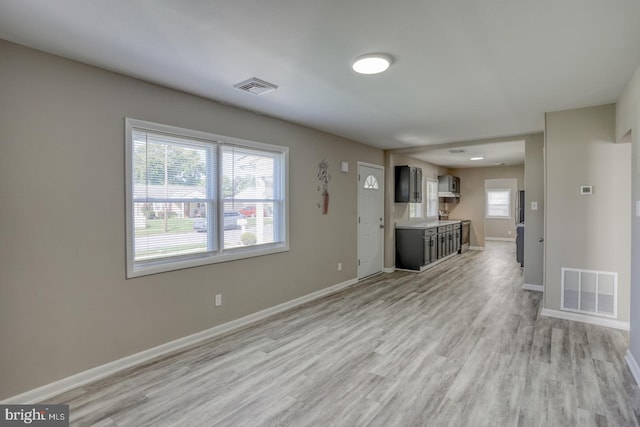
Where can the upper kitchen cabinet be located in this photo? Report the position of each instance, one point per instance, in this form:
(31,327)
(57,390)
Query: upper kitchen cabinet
(448,186)
(408,184)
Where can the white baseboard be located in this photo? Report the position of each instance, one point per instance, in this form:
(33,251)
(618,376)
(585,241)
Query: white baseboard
(389,269)
(501,239)
(476,248)
(584,318)
(529,287)
(49,390)
(633,366)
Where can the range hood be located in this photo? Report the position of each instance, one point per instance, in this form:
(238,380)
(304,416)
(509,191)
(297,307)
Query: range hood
(447,194)
(448,186)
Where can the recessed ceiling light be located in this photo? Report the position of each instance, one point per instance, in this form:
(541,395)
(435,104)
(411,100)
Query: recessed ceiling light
(371,63)
(477,158)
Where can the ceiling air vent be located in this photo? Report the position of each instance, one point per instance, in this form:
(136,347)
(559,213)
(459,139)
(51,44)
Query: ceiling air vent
(457,151)
(256,86)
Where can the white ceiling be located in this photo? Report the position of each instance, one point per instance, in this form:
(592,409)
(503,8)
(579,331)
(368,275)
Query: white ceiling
(503,153)
(462,69)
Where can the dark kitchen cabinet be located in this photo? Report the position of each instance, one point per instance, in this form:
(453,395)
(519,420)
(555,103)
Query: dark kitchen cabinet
(457,237)
(410,248)
(443,242)
(431,245)
(415,247)
(408,184)
(450,244)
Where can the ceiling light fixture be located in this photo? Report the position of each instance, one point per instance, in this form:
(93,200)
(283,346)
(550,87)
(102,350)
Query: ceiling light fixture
(371,63)
(477,158)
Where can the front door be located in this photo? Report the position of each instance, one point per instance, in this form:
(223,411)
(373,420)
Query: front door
(370,219)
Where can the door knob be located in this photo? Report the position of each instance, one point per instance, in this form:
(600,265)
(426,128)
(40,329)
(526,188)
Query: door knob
(381,225)
(541,240)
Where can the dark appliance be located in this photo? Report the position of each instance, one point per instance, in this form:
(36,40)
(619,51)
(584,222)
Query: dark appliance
(465,235)
(519,217)
(520,244)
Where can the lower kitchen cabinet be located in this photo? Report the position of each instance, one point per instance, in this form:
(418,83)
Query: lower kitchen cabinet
(417,247)
(457,237)
(443,242)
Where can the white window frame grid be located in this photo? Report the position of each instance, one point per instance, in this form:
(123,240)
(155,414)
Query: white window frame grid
(217,253)
(417,210)
(509,204)
(432,198)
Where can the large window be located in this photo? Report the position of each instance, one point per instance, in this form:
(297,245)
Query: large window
(195,198)
(499,203)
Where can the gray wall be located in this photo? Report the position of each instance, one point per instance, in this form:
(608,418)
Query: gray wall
(65,305)
(498,228)
(628,119)
(472,196)
(586,232)
(534,220)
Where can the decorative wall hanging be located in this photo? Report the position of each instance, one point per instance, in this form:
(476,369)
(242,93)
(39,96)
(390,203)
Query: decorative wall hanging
(324,177)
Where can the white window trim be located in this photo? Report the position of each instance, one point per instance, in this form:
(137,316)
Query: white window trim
(486,204)
(137,269)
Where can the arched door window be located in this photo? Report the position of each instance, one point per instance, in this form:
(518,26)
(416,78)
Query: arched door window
(371,183)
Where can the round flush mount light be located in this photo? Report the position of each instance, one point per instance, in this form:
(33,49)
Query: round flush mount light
(372,63)
(476,158)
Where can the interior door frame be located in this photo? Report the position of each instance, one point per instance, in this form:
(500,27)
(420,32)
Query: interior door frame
(358,189)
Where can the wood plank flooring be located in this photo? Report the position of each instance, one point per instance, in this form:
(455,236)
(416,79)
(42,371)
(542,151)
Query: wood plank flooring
(460,344)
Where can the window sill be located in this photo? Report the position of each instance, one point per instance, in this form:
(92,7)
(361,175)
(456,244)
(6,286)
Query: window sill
(162,266)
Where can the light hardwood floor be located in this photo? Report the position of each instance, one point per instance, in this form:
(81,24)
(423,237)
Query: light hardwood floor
(458,345)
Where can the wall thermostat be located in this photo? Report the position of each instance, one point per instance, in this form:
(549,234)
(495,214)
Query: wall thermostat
(586,190)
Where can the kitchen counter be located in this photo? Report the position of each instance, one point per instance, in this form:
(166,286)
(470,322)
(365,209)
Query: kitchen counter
(429,224)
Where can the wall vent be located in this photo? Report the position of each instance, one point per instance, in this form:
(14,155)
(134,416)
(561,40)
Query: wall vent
(256,86)
(590,292)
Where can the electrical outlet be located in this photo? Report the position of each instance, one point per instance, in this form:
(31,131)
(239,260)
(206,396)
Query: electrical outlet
(339,266)
(534,206)
(218,300)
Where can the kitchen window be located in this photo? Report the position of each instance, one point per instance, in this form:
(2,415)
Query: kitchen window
(499,203)
(429,207)
(195,198)
(432,198)
(416,210)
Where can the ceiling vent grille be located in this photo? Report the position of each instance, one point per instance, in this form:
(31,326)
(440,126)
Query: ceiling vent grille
(457,151)
(256,86)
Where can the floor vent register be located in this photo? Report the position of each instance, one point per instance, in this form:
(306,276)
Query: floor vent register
(590,292)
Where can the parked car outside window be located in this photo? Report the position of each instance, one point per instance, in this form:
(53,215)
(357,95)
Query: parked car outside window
(230,221)
(250,211)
